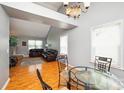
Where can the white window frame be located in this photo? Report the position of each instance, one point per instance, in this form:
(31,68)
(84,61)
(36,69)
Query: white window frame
(35,44)
(66,42)
(121,42)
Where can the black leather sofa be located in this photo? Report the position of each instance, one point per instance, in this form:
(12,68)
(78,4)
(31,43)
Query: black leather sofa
(12,61)
(50,54)
(35,52)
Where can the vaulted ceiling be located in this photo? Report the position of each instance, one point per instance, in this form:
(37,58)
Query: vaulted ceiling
(51,5)
(27,28)
(31,28)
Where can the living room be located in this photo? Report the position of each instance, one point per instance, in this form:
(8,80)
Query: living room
(28,40)
(75,37)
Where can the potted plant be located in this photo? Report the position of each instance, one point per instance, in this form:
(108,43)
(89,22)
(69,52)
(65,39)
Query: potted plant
(13,43)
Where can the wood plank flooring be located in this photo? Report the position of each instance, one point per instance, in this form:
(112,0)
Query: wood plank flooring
(50,74)
(25,77)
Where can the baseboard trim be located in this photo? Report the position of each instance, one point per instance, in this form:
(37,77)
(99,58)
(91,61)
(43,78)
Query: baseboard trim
(5,85)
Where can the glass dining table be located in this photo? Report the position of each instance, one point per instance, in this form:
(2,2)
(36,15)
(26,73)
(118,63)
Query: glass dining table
(91,78)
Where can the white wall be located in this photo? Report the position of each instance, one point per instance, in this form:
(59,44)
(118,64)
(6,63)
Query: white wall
(4,47)
(54,38)
(24,49)
(79,38)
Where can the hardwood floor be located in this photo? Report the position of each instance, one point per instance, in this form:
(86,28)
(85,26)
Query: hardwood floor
(25,78)
(50,74)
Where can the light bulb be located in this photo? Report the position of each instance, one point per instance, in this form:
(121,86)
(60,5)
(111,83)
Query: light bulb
(65,3)
(86,4)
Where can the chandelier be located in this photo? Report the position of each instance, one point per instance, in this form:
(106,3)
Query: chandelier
(74,9)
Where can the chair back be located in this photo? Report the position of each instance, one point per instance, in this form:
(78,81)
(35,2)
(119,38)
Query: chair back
(44,85)
(62,62)
(103,63)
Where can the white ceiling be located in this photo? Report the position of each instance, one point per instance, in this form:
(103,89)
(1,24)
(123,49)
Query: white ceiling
(27,28)
(27,24)
(51,5)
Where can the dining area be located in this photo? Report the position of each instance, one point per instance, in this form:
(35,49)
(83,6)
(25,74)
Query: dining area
(93,79)
(98,77)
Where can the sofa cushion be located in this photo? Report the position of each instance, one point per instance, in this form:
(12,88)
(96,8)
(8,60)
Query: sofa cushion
(50,54)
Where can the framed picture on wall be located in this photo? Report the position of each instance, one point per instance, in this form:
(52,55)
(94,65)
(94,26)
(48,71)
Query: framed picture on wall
(23,43)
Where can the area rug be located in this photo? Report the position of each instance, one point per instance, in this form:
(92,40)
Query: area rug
(31,61)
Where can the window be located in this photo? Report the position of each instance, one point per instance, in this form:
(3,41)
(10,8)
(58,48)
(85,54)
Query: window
(64,44)
(38,44)
(32,44)
(107,42)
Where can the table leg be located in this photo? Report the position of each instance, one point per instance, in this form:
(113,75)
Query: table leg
(87,87)
(68,86)
(77,84)
(69,81)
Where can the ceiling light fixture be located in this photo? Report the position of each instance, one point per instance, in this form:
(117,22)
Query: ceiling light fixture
(74,9)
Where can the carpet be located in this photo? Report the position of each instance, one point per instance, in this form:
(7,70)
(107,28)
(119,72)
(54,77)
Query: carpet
(31,61)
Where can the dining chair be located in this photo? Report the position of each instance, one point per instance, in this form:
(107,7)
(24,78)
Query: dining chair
(102,63)
(63,68)
(44,85)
